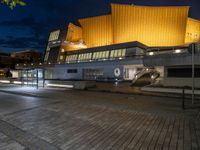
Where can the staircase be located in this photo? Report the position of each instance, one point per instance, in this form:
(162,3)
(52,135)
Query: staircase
(153,75)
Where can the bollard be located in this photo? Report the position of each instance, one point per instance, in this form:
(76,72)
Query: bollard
(183,98)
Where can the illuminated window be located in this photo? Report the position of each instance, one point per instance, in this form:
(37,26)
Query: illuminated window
(112,54)
(123,52)
(62,50)
(71,58)
(61,57)
(46,56)
(119,53)
(48,48)
(107,54)
(54,35)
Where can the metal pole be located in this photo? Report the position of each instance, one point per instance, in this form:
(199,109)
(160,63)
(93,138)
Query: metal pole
(37,79)
(193,47)
(27,77)
(43,77)
(183,98)
(21,78)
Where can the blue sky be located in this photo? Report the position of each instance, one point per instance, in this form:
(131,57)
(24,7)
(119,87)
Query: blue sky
(28,27)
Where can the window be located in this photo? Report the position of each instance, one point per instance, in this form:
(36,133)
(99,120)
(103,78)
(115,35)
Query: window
(72,70)
(71,58)
(61,57)
(48,48)
(118,53)
(54,35)
(46,56)
(84,57)
(123,52)
(62,50)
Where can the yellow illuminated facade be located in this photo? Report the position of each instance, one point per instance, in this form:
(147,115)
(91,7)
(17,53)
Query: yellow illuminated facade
(152,26)
(192,31)
(74,33)
(97,31)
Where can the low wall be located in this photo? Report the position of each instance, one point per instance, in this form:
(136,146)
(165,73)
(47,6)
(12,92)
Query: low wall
(181,82)
(169,90)
(71,84)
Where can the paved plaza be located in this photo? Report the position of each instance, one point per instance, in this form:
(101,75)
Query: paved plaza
(62,119)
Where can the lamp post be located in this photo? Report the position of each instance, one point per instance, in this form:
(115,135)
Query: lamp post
(192,50)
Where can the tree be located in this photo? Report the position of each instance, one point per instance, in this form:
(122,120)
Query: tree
(13,3)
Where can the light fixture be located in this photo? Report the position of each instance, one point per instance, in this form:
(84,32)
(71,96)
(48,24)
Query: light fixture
(17,82)
(151,53)
(177,51)
(60,85)
(4,81)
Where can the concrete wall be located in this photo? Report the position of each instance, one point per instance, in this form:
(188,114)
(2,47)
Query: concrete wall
(108,67)
(180,82)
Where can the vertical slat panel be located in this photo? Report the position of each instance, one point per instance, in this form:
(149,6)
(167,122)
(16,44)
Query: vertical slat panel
(97,31)
(153,26)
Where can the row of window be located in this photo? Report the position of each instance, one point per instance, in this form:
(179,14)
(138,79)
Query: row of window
(83,57)
(120,53)
(71,58)
(54,35)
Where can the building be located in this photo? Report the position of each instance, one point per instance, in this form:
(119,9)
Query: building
(124,45)
(27,56)
(152,26)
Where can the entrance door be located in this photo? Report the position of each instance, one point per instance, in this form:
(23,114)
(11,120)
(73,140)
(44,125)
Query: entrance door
(129,73)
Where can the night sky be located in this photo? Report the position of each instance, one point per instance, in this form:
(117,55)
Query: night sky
(28,27)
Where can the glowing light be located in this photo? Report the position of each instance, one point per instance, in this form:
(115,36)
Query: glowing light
(178,51)
(17,82)
(40,63)
(60,85)
(151,53)
(4,81)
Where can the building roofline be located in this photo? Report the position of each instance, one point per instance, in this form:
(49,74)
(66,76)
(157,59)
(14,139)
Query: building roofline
(151,6)
(110,47)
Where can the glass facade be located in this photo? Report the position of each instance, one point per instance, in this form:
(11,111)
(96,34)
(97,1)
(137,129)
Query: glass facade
(95,56)
(54,35)
(72,58)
